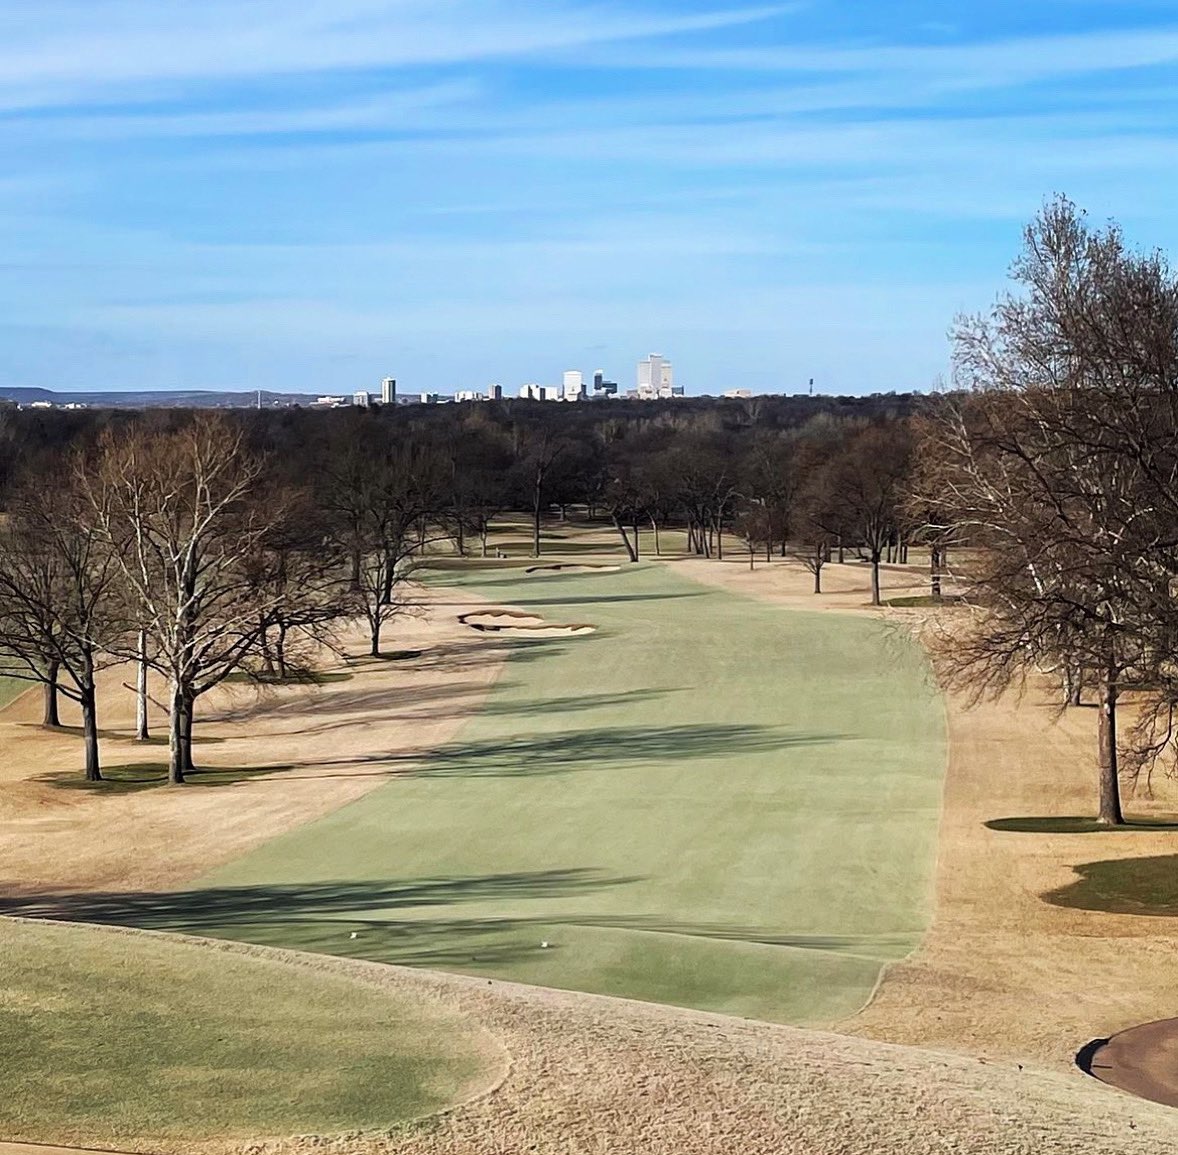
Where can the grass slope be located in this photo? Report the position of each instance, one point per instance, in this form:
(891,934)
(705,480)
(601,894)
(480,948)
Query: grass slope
(710,802)
(111,1038)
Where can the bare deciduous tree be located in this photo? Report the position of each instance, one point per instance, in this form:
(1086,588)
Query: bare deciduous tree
(61,609)
(177,509)
(1060,471)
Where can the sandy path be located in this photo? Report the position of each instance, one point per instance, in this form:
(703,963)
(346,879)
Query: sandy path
(333,743)
(1001,972)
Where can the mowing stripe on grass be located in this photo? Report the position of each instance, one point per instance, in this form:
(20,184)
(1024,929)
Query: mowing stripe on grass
(711,802)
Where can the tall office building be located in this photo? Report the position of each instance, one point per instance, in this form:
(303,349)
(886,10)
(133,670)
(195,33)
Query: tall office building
(388,391)
(655,376)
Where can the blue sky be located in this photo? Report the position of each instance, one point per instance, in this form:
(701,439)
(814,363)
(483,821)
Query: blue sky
(312,195)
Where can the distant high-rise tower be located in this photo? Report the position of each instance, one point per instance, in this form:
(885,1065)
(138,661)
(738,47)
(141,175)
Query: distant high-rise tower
(496,392)
(655,376)
(388,391)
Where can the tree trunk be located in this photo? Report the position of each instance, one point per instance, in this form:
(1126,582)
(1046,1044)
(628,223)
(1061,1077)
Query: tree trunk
(658,549)
(460,538)
(142,733)
(186,742)
(935,574)
(719,539)
(280,651)
(842,552)
(264,646)
(1110,785)
(631,550)
(752,557)
(176,737)
(90,734)
(374,635)
(536,499)
(637,546)
(52,718)
(818,580)
(483,537)
(875,598)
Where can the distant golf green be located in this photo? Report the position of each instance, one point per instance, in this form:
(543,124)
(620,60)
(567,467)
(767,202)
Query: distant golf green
(712,802)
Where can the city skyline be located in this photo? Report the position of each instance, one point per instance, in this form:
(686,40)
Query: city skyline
(231,196)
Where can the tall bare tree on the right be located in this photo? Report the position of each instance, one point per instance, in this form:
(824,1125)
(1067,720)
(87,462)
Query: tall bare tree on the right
(1058,468)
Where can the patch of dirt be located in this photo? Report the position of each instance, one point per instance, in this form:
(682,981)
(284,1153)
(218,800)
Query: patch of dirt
(326,744)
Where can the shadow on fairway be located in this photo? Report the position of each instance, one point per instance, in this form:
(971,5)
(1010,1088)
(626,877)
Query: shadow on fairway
(1077,825)
(213,907)
(564,752)
(1143,886)
(606,748)
(575,704)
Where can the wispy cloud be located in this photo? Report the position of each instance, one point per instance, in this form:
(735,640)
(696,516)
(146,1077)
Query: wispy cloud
(86,46)
(197,191)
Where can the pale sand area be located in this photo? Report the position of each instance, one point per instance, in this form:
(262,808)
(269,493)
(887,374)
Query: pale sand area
(1003,973)
(334,741)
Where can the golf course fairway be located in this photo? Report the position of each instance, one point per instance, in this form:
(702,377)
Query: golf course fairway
(710,802)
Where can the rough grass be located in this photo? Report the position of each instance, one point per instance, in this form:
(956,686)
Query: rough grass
(107,1038)
(710,802)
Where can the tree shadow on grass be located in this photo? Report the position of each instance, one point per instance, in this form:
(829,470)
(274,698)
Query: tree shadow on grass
(346,702)
(576,703)
(1143,886)
(198,910)
(544,755)
(134,777)
(606,747)
(1077,825)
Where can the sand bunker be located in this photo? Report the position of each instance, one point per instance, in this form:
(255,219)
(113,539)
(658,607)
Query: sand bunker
(572,567)
(515,624)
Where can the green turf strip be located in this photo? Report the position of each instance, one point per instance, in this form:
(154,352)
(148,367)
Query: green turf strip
(12,688)
(109,1038)
(711,801)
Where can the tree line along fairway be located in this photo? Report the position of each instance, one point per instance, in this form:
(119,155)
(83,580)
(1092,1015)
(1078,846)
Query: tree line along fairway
(709,802)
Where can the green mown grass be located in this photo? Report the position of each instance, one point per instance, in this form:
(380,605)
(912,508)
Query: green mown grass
(12,688)
(711,802)
(107,1038)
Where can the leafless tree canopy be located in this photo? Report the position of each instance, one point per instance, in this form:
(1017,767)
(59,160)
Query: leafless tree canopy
(1058,470)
